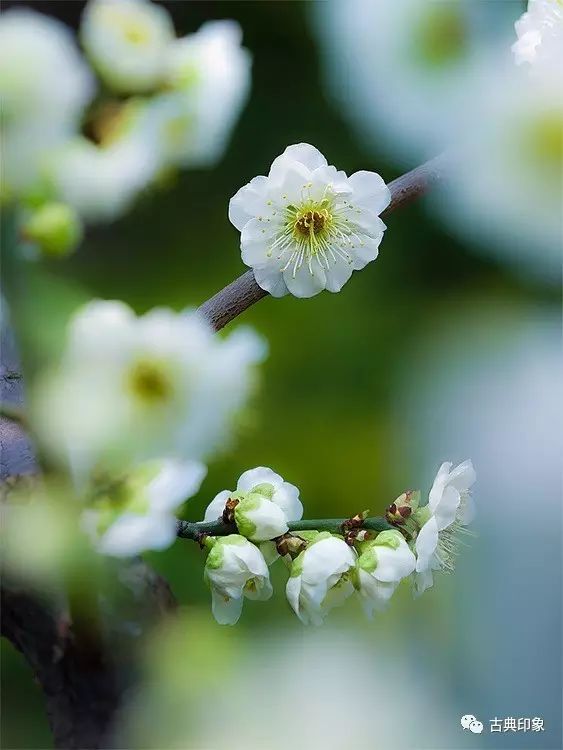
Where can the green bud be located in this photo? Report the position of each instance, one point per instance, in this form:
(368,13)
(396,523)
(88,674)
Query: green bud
(266,490)
(55,227)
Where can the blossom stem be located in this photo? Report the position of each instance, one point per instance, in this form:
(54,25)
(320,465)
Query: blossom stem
(194,530)
(244,292)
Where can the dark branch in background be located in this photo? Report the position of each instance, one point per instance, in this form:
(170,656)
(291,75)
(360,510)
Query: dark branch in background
(244,292)
(194,530)
(83,670)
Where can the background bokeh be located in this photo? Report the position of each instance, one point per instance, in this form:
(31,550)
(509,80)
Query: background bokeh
(432,353)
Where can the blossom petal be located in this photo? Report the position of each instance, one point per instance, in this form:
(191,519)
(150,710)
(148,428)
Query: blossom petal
(370,191)
(248,202)
(446,510)
(175,483)
(260,475)
(132,534)
(425,545)
(305,282)
(339,273)
(463,476)
(215,509)
(226,610)
(303,153)
(271,280)
(393,564)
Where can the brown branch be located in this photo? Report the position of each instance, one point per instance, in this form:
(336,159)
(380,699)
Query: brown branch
(244,292)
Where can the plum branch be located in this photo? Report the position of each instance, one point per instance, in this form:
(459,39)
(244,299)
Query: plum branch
(195,530)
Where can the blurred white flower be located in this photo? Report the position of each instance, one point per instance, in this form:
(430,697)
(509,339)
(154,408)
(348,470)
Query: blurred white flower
(449,510)
(398,69)
(320,578)
(511,203)
(307,226)
(207,83)
(126,41)
(101,182)
(381,565)
(235,569)
(41,71)
(540,34)
(209,71)
(143,387)
(134,512)
(44,87)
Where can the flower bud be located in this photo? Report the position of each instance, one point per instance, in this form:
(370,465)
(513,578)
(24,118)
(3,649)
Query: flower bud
(403,507)
(55,227)
(320,578)
(259,519)
(235,569)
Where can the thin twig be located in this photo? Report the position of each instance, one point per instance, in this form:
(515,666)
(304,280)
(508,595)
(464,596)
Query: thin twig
(244,292)
(194,530)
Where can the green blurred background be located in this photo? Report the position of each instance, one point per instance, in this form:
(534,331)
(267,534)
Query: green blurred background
(341,411)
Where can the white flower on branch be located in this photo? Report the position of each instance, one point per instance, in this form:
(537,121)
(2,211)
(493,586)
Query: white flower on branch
(321,578)
(306,226)
(381,565)
(135,388)
(450,508)
(235,569)
(540,34)
(265,504)
(134,512)
(126,41)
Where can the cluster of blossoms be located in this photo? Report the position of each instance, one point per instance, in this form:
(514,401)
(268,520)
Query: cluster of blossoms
(134,407)
(327,568)
(80,146)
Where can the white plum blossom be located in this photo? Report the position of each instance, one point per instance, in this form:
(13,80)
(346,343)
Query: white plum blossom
(450,508)
(135,388)
(540,34)
(321,578)
(235,569)
(126,41)
(265,504)
(382,564)
(306,226)
(132,513)
(44,88)
(101,182)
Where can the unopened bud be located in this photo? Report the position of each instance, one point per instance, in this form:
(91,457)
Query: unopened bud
(291,545)
(403,507)
(229,512)
(355,522)
(55,227)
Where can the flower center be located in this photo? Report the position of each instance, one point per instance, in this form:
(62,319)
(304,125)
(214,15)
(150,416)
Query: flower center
(311,222)
(150,382)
